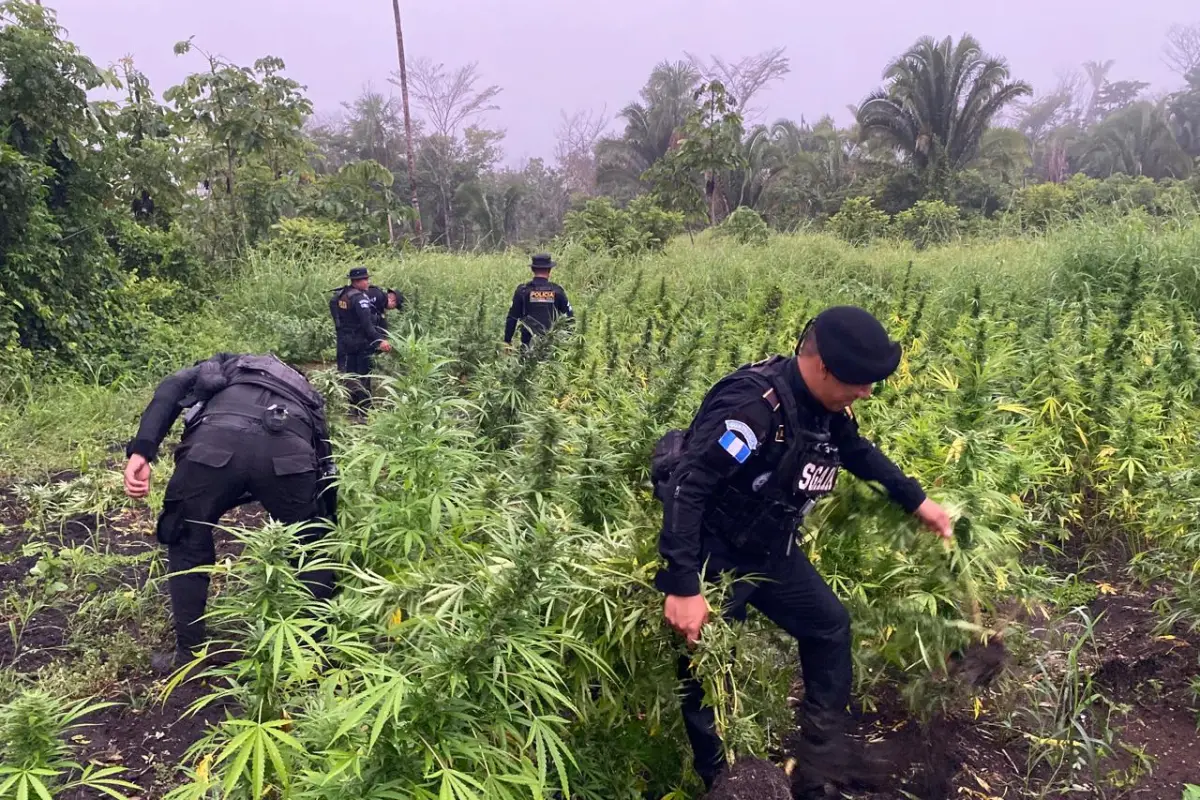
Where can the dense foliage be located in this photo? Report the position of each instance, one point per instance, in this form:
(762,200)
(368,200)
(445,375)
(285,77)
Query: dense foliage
(118,214)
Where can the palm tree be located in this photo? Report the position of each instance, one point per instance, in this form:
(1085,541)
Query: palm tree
(1137,140)
(650,125)
(938,102)
(1005,153)
(1097,75)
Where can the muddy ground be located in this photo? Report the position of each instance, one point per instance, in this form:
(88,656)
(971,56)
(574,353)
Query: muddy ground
(143,732)
(969,752)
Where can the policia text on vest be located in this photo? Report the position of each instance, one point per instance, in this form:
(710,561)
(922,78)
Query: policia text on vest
(766,444)
(536,304)
(254,430)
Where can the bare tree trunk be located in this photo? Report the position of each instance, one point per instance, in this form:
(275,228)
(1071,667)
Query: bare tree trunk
(408,132)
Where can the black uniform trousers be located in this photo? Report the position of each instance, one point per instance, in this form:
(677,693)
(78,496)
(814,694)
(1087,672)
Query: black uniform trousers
(358,363)
(216,466)
(790,592)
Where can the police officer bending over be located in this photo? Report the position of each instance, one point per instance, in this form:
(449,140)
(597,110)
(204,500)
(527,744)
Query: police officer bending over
(383,301)
(255,430)
(537,303)
(357,335)
(766,444)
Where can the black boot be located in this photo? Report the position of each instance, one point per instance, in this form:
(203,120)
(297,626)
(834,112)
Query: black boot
(166,661)
(829,759)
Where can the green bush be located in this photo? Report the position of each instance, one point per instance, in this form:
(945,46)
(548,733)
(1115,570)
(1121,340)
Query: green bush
(928,222)
(1044,205)
(653,224)
(601,227)
(858,221)
(746,226)
(156,253)
(307,238)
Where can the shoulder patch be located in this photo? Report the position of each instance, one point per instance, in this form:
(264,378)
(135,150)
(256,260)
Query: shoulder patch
(737,426)
(736,448)
(772,399)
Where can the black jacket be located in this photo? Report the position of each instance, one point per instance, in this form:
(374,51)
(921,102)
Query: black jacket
(354,320)
(537,304)
(734,443)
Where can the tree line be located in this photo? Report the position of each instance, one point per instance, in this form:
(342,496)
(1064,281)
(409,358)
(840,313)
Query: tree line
(116,210)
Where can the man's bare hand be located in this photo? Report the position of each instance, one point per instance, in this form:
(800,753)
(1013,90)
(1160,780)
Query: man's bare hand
(385,346)
(137,476)
(935,518)
(686,615)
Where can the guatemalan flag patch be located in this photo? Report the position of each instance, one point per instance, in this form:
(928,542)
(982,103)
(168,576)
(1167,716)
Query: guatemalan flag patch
(733,445)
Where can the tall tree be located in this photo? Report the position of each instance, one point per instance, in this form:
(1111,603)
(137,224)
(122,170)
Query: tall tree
(1137,140)
(1184,107)
(57,274)
(448,100)
(1182,50)
(1097,76)
(745,78)
(651,126)
(575,150)
(939,100)
(1048,124)
(709,144)
(402,77)
(247,145)
(374,125)
(1114,96)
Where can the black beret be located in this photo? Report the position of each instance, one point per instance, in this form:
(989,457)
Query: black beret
(854,345)
(358,273)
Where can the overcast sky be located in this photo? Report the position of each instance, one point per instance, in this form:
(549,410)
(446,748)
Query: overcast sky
(555,55)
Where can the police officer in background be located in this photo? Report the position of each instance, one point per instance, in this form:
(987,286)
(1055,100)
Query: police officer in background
(384,300)
(767,442)
(255,430)
(357,335)
(537,303)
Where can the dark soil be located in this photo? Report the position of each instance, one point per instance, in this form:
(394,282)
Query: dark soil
(150,741)
(958,756)
(751,779)
(142,732)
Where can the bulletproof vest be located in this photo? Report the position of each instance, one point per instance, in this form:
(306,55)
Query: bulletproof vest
(345,318)
(797,464)
(301,408)
(540,295)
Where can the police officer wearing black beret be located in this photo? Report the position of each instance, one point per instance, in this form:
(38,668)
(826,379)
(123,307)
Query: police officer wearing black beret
(537,304)
(767,442)
(357,335)
(254,430)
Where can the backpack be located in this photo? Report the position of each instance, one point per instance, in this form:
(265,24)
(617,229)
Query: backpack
(669,450)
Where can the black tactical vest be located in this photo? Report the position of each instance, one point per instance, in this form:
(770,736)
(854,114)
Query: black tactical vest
(350,334)
(797,465)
